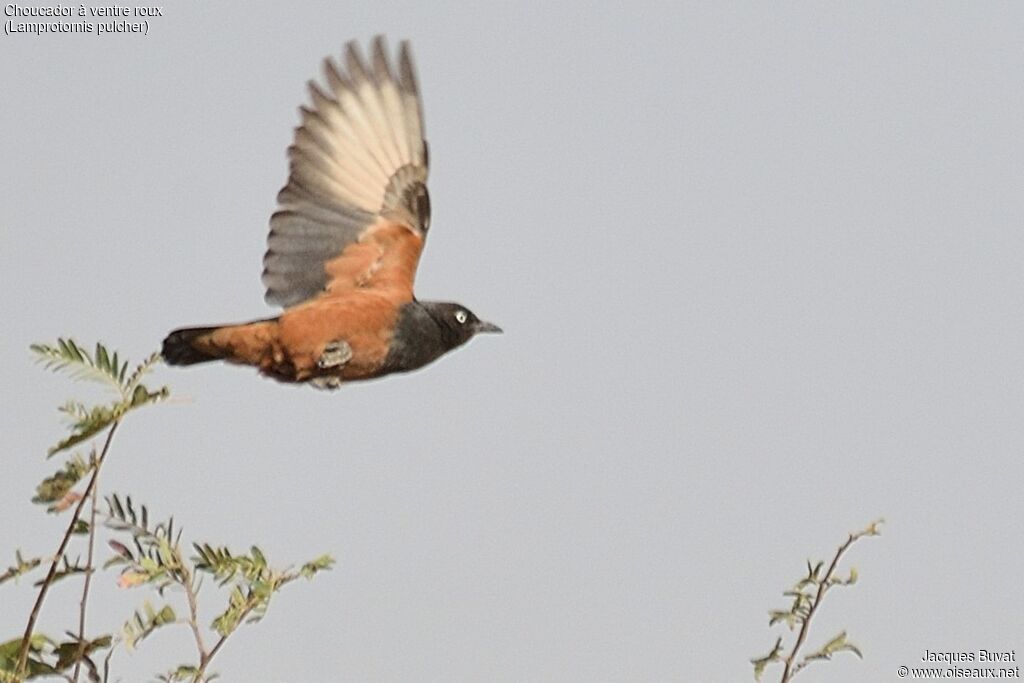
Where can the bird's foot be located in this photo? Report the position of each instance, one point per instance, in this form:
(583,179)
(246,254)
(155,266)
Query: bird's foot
(335,355)
(328,382)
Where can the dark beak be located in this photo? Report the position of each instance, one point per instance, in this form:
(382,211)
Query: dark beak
(487,327)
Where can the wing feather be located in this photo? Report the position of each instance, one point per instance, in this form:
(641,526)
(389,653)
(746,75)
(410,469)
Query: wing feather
(371,112)
(411,106)
(357,166)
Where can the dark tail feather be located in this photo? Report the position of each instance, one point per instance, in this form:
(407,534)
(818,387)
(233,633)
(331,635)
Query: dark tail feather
(178,348)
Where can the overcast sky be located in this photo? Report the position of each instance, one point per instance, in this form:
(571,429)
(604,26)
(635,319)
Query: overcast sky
(760,271)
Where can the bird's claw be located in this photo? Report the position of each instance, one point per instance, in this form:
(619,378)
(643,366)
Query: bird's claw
(334,357)
(335,354)
(326,382)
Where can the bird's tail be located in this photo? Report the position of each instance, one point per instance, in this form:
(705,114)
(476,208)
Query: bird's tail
(237,343)
(179,347)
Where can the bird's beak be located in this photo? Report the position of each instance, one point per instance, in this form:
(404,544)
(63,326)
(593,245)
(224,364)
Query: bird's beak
(487,327)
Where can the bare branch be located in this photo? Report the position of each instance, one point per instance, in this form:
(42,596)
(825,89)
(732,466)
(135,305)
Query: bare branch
(791,665)
(89,568)
(48,581)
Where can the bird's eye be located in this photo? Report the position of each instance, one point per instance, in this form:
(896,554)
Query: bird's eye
(460,316)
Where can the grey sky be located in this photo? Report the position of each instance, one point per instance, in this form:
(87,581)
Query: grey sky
(759,268)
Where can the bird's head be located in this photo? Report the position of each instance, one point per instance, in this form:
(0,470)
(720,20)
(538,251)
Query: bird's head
(458,322)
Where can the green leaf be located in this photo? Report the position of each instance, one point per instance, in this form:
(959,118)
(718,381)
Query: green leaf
(217,561)
(236,610)
(54,488)
(143,623)
(835,643)
(69,569)
(313,567)
(850,647)
(140,396)
(873,528)
(761,663)
(783,616)
(39,645)
(185,672)
(20,567)
(80,365)
(72,651)
(140,371)
(99,423)
(838,644)
(104,366)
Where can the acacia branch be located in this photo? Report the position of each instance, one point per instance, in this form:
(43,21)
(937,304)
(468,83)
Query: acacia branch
(88,576)
(193,609)
(26,640)
(791,665)
(206,657)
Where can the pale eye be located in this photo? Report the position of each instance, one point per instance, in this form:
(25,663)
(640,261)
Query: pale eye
(460,316)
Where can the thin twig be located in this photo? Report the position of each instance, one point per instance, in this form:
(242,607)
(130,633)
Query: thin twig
(193,609)
(186,579)
(205,660)
(106,663)
(26,641)
(823,586)
(88,577)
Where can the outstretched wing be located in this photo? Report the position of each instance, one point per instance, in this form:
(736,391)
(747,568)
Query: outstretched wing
(355,210)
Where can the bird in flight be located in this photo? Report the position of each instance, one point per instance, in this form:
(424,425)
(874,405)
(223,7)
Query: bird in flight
(345,241)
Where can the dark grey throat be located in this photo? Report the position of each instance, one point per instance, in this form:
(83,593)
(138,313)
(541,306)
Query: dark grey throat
(420,336)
